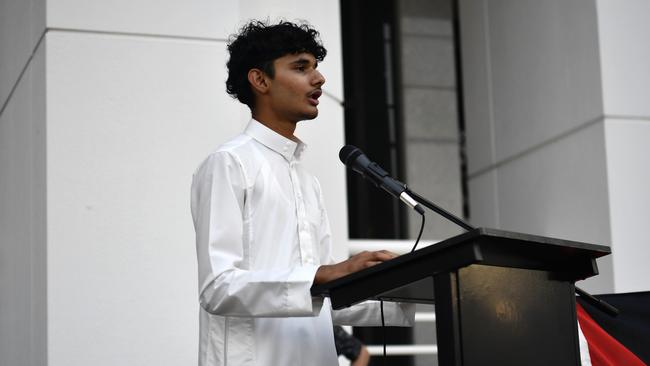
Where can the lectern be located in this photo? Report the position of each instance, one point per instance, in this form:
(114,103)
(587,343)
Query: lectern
(501,298)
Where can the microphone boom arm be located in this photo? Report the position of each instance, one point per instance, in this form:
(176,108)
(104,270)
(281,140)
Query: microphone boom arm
(601,305)
(441,211)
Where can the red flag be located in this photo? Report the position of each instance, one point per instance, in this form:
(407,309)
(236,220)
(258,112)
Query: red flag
(604,349)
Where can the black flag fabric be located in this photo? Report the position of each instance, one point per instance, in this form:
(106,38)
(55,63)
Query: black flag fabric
(620,340)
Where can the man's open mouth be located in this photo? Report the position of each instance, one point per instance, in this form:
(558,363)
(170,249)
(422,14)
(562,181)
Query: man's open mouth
(313,96)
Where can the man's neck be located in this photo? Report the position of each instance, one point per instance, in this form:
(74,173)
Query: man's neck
(282,127)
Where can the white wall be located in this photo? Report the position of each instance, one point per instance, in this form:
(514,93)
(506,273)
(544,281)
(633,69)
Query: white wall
(123,141)
(534,120)
(558,123)
(624,33)
(187,19)
(629,179)
(132,96)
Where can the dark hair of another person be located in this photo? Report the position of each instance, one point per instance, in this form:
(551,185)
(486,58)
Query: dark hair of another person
(258,44)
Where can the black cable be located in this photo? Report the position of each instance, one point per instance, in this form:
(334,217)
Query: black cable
(383,327)
(419,235)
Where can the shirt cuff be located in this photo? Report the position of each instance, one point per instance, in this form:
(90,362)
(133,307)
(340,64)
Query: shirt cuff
(299,299)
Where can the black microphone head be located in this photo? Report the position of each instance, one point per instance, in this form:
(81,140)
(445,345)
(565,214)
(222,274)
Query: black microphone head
(348,152)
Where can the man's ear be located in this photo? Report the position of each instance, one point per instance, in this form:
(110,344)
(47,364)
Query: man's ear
(259,80)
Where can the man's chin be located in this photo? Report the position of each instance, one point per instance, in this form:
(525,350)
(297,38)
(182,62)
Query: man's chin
(310,115)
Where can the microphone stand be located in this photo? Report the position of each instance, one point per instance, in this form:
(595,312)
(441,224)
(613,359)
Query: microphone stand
(441,211)
(597,303)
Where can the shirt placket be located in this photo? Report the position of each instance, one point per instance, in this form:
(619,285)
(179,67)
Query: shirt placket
(304,238)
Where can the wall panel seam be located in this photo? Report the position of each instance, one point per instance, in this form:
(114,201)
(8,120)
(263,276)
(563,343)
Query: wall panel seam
(136,34)
(22,72)
(627,117)
(537,147)
(72,30)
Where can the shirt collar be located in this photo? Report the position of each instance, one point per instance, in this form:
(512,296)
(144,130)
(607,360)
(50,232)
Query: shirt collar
(288,148)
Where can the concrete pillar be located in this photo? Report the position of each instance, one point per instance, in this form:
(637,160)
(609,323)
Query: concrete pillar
(547,156)
(623,34)
(108,107)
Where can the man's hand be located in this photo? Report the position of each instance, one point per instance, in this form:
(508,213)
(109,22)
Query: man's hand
(355,263)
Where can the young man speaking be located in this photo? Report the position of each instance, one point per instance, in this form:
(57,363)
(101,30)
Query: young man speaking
(262,233)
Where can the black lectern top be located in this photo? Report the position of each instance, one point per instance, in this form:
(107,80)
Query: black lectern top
(566,260)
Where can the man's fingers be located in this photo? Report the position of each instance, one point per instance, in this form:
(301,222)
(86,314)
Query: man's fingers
(382,255)
(370,263)
(379,254)
(368,259)
(389,253)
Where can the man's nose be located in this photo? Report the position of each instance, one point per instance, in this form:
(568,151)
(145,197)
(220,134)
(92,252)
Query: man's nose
(319,79)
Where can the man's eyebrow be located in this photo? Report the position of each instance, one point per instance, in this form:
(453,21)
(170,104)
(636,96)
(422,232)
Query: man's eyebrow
(302,62)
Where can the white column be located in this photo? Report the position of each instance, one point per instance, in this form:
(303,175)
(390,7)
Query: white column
(22,184)
(624,33)
(118,104)
(535,122)
(558,124)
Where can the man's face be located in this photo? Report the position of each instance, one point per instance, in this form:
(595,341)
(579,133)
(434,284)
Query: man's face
(296,87)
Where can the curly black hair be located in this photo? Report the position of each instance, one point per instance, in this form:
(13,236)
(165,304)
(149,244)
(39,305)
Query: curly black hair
(258,44)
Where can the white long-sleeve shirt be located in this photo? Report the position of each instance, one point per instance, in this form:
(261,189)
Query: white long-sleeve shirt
(261,234)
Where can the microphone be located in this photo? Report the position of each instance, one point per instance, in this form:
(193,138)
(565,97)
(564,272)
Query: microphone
(356,160)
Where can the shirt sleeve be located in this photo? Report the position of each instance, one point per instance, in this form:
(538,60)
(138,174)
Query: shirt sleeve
(367,313)
(227,285)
